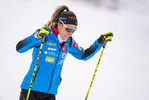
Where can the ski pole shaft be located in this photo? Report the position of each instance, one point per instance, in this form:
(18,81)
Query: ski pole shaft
(104,45)
(29,90)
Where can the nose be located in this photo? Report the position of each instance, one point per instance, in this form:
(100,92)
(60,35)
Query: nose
(70,33)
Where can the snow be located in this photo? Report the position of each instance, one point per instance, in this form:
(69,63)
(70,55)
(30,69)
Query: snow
(123,72)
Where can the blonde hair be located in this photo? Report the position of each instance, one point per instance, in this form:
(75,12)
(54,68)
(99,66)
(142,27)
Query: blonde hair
(60,10)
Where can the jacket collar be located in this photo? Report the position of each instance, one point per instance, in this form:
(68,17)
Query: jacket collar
(57,34)
(54,30)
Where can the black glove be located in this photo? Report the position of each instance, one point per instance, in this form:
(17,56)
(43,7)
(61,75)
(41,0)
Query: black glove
(106,36)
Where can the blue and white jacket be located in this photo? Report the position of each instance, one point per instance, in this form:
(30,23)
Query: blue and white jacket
(48,74)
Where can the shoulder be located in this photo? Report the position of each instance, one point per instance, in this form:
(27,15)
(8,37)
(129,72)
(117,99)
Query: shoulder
(73,42)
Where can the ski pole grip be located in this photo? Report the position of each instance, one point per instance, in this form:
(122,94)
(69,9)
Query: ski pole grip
(104,44)
(43,39)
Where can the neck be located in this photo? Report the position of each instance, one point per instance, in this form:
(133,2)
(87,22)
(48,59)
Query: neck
(60,39)
(55,30)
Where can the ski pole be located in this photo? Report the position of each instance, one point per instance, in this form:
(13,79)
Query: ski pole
(103,47)
(33,76)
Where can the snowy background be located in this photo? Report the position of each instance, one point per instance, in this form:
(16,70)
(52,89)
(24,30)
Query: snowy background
(123,72)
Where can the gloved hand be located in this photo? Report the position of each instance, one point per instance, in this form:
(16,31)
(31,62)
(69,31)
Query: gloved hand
(106,36)
(43,32)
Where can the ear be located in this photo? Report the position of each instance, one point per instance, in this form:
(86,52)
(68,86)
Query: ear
(59,25)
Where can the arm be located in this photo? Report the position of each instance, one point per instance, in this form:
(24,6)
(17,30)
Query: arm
(80,53)
(32,41)
(28,43)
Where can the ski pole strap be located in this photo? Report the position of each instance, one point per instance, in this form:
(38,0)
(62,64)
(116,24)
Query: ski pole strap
(48,25)
(105,42)
(113,30)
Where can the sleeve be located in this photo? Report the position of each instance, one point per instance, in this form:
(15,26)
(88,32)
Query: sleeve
(28,43)
(81,54)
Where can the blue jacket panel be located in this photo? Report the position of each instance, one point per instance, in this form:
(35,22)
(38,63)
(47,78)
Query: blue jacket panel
(48,73)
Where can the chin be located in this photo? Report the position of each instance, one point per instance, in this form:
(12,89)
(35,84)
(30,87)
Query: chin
(65,38)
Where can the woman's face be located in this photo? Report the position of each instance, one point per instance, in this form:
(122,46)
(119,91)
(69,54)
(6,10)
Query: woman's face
(62,31)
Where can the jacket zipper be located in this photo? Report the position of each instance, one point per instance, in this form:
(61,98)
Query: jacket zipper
(53,72)
(55,65)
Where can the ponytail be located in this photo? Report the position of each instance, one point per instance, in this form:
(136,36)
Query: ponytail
(56,14)
(55,17)
(59,10)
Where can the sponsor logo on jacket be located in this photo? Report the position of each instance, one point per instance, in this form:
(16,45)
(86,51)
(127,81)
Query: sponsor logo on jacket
(51,44)
(52,49)
(75,44)
(63,55)
(64,48)
(49,59)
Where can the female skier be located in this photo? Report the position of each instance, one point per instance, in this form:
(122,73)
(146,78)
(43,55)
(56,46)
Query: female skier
(58,42)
